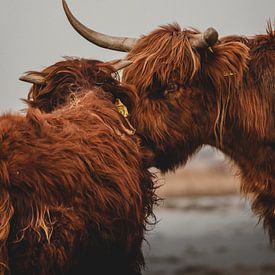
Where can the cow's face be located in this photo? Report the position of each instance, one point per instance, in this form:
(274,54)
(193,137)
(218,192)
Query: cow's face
(173,121)
(171,117)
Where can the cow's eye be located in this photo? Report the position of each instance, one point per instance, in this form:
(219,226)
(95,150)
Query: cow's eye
(171,87)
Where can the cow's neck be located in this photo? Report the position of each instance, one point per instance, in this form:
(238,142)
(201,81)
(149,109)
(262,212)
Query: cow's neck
(254,156)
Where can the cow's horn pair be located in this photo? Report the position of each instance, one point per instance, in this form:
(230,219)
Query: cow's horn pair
(125,44)
(35,78)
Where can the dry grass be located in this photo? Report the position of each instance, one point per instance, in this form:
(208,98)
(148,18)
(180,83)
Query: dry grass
(217,179)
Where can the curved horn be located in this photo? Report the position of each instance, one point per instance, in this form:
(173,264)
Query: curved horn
(33,78)
(205,39)
(123,44)
(121,64)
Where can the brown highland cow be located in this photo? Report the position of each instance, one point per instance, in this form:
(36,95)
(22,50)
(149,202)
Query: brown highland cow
(75,197)
(194,89)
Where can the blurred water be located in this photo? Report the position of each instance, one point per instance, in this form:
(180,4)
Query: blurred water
(208,235)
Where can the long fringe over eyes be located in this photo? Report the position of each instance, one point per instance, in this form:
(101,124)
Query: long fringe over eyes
(162,54)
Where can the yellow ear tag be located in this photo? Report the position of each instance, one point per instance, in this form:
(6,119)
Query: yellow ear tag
(229,74)
(121,108)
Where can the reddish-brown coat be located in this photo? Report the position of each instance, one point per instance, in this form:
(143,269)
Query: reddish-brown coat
(74,193)
(223,97)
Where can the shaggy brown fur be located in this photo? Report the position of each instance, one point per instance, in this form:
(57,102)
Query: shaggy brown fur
(74,195)
(223,97)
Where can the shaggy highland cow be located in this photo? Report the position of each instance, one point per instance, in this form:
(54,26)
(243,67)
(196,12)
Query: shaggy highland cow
(194,90)
(75,197)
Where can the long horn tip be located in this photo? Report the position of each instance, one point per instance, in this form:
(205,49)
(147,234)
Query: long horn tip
(211,36)
(66,9)
(64,3)
(24,78)
(33,79)
(124,44)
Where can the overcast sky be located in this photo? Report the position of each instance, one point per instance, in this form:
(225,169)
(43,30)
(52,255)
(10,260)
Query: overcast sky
(35,33)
